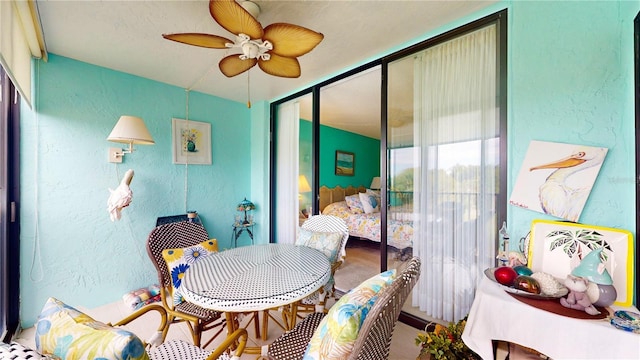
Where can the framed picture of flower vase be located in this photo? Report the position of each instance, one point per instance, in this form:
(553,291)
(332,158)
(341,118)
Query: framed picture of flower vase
(191,142)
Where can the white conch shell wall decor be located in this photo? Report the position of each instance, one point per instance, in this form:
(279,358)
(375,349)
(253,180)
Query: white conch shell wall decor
(120,197)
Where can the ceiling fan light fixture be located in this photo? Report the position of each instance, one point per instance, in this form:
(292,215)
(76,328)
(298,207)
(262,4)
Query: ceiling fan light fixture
(251,49)
(251,7)
(275,47)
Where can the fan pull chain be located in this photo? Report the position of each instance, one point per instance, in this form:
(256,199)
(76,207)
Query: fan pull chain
(249,89)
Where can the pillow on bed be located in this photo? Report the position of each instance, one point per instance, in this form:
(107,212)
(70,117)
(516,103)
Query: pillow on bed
(370,203)
(354,203)
(339,209)
(373,192)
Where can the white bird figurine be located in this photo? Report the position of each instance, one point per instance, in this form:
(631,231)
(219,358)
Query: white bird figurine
(120,197)
(559,199)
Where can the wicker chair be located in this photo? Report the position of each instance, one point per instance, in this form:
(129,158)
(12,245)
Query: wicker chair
(179,350)
(374,338)
(325,223)
(317,300)
(170,350)
(180,235)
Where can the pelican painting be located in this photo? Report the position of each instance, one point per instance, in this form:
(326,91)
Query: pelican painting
(557,184)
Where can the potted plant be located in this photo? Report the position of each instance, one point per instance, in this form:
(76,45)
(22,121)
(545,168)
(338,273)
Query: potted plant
(444,342)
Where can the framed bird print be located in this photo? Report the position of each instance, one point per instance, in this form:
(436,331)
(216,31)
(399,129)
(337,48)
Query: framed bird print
(557,178)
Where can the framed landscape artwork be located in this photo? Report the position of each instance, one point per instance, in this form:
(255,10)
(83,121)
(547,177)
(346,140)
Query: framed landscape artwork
(345,162)
(191,142)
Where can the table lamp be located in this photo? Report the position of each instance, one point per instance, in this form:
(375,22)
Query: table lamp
(375,183)
(303,187)
(245,206)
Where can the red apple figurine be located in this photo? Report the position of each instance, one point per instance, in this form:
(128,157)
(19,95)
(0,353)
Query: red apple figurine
(505,275)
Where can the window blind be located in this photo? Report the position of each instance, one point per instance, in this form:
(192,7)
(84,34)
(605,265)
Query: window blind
(20,40)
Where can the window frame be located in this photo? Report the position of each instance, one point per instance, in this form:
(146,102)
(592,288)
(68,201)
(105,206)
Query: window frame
(10,215)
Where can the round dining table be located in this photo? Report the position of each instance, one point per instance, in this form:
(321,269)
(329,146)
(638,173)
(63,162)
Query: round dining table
(255,278)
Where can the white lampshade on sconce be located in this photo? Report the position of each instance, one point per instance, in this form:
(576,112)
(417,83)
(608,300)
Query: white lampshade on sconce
(128,130)
(375,183)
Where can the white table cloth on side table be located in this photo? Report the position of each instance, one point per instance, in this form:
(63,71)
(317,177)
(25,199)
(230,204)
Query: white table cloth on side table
(496,315)
(255,278)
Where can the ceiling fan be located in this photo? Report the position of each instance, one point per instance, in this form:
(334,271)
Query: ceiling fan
(275,48)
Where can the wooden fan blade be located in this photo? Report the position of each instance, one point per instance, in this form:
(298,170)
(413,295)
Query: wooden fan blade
(235,19)
(232,65)
(280,66)
(202,40)
(291,40)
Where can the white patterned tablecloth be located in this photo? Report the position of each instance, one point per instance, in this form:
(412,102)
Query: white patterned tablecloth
(256,277)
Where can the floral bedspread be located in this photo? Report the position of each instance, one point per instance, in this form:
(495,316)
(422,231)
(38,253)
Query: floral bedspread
(399,233)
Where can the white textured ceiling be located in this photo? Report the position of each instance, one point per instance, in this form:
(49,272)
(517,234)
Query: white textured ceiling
(126,36)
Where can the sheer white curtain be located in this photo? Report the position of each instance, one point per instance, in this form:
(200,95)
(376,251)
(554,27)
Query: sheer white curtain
(455,181)
(288,123)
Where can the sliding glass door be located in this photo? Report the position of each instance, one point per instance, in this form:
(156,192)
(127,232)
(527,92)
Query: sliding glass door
(349,149)
(411,151)
(444,140)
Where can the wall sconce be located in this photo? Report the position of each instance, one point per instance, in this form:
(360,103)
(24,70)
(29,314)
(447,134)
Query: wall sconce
(128,130)
(375,183)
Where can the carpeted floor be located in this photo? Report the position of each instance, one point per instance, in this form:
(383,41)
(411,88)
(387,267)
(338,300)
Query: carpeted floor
(360,264)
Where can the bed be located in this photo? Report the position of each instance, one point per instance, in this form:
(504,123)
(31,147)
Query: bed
(338,201)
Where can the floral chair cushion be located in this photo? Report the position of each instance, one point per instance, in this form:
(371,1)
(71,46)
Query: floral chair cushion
(337,332)
(67,333)
(327,242)
(179,260)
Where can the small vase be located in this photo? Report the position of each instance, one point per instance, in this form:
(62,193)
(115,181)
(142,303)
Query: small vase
(191,146)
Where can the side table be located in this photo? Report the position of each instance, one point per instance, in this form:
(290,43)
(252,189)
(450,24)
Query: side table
(238,229)
(496,315)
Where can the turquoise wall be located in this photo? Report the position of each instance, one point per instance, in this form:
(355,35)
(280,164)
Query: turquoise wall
(366,152)
(81,256)
(570,79)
